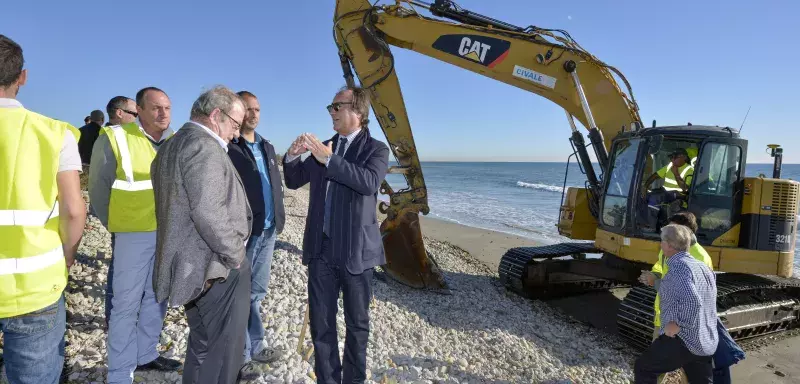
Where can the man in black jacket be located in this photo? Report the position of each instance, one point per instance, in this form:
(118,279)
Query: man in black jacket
(89,134)
(254,159)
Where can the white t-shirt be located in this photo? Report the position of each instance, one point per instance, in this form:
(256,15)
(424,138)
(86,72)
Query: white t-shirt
(70,158)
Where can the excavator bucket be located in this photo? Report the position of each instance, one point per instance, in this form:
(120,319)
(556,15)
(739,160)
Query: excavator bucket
(407,261)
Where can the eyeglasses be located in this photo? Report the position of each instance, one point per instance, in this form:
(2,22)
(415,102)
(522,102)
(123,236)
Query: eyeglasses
(238,124)
(337,106)
(129,112)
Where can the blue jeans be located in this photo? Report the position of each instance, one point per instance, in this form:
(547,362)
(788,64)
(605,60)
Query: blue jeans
(259,251)
(34,345)
(136,317)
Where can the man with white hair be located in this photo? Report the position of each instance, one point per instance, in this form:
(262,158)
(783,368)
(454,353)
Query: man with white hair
(688,294)
(204,221)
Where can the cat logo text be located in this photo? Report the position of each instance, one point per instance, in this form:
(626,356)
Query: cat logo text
(484,50)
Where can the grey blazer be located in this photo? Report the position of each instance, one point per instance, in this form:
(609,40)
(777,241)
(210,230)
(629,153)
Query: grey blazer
(204,219)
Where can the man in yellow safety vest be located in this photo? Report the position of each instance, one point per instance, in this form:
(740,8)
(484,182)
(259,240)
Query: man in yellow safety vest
(121,196)
(42,214)
(678,175)
(121,110)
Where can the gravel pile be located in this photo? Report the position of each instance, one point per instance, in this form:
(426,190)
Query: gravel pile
(480,333)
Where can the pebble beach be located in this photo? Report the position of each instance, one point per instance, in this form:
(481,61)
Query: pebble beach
(478,333)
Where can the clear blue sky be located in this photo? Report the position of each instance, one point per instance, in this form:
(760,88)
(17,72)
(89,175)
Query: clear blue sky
(699,61)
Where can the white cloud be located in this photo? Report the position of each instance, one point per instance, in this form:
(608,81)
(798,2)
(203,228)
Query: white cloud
(569,17)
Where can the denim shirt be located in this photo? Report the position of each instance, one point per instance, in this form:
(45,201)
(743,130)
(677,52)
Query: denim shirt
(266,187)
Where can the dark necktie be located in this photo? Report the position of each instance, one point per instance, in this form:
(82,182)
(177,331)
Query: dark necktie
(329,192)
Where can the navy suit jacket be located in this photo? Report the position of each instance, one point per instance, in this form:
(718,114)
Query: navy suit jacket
(355,180)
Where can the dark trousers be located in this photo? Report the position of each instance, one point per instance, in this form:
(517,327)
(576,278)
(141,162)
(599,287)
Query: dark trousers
(217,320)
(109,283)
(325,279)
(667,354)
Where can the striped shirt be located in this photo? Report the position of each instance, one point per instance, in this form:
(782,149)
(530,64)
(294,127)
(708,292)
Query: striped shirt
(689,298)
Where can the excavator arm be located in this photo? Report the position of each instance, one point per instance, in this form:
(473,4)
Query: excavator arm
(545,62)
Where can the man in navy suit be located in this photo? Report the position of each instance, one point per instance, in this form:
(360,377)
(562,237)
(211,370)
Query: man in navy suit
(342,242)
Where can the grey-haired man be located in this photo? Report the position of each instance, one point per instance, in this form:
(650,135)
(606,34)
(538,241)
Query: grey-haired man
(204,221)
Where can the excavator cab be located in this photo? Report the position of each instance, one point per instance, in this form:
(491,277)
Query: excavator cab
(641,191)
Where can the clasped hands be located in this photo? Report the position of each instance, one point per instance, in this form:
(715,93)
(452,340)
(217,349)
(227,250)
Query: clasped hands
(308,142)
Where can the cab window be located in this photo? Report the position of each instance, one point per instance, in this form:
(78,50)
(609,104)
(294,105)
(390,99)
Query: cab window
(719,170)
(713,195)
(615,204)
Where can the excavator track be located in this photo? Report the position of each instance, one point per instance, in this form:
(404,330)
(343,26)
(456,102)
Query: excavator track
(749,306)
(532,271)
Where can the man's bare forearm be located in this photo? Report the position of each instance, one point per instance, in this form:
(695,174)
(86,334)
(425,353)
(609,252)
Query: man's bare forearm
(71,213)
(681,183)
(650,180)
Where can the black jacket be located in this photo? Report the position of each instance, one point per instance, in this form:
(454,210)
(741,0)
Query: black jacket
(89,134)
(245,163)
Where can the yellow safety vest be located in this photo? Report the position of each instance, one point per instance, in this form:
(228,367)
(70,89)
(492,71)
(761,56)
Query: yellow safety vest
(131,207)
(33,271)
(670,184)
(698,252)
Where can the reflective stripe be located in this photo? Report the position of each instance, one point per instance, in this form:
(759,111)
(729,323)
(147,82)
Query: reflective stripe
(127,166)
(32,263)
(134,186)
(124,154)
(27,217)
(673,181)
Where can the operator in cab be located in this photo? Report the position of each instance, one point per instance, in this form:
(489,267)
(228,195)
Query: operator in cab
(677,175)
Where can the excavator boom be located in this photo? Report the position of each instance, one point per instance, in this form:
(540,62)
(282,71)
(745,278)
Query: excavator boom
(545,62)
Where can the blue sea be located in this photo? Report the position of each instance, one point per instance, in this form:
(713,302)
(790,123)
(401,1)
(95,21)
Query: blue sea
(517,198)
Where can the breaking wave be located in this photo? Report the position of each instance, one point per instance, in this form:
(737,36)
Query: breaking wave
(540,187)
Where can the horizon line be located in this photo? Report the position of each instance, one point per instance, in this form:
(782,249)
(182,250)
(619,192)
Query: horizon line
(542,161)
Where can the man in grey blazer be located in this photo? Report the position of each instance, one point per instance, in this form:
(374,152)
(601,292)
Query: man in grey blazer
(204,221)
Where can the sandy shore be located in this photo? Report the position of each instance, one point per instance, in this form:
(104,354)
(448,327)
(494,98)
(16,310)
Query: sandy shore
(483,244)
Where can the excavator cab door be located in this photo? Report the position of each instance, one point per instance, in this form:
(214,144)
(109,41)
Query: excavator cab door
(716,194)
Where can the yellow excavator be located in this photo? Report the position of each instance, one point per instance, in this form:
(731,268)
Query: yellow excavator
(747,224)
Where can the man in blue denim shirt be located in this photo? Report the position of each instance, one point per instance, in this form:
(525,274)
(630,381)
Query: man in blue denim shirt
(254,159)
(689,335)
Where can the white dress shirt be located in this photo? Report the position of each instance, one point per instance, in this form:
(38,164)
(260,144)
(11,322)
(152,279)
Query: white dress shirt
(214,135)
